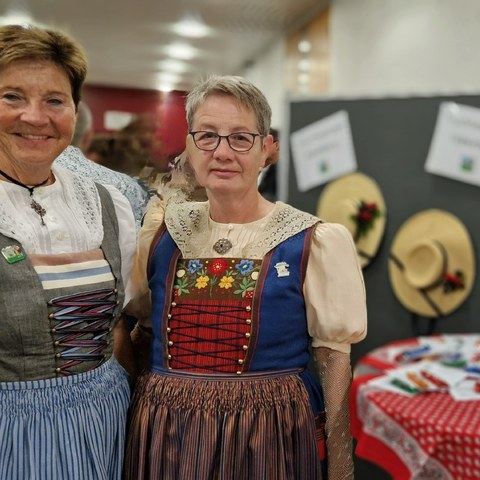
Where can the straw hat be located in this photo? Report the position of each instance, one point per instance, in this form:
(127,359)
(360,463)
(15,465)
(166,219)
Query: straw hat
(355,201)
(432,263)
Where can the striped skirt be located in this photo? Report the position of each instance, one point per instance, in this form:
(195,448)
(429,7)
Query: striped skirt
(207,427)
(70,428)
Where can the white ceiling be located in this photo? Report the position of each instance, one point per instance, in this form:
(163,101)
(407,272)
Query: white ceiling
(127,40)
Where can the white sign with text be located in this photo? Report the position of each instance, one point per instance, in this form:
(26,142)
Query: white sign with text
(323,151)
(455,147)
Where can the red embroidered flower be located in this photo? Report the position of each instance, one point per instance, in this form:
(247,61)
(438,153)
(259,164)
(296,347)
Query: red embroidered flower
(249,294)
(175,292)
(218,266)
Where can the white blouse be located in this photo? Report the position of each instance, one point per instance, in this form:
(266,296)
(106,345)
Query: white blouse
(73,220)
(334,289)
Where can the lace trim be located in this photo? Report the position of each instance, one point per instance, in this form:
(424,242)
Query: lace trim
(81,196)
(74,160)
(188,225)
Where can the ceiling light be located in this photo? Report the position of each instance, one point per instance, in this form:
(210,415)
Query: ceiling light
(168,77)
(16,17)
(304,46)
(181,51)
(165,86)
(191,25)
(304,65)
(171,65)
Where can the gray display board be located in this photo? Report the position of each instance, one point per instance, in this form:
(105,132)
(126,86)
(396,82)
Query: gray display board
(391,137)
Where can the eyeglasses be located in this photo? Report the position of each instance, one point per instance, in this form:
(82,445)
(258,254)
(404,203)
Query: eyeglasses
(238,141)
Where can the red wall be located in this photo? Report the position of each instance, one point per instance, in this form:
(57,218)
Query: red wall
(167,108)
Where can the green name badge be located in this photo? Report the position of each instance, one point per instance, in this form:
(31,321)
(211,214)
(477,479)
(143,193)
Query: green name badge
(13,254)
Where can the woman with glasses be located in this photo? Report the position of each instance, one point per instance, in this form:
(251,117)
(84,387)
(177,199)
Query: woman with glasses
(240,289)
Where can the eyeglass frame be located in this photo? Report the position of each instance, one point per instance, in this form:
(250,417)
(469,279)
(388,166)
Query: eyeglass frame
(219,137)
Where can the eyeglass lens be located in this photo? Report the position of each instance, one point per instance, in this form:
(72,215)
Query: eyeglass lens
(239,141)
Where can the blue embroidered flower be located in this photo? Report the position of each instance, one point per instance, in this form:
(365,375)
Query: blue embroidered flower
(244,267)
(194,266)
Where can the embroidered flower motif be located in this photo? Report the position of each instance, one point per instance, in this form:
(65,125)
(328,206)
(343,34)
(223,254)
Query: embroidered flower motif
(194,265)
(202,282)
(365,217)
(226,282)
(246,286)
(453,281)
(218,266)
(181,286)
(244,267)
(218,276)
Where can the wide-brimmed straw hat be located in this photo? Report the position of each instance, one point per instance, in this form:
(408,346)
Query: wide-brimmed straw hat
(356,201)
(432,263)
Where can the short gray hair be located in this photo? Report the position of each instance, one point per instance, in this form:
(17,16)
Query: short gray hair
(247,94)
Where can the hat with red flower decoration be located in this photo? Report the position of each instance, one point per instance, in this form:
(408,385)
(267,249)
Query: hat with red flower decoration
(432,263)
(355,201)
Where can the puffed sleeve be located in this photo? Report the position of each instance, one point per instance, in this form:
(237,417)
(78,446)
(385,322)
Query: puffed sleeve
(139,306)
(334,290)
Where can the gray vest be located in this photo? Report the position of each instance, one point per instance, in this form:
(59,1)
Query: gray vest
(27,343)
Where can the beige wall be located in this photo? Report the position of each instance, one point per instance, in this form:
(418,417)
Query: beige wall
(384,47)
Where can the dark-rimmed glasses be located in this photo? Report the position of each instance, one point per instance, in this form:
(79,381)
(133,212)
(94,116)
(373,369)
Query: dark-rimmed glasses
(238,141)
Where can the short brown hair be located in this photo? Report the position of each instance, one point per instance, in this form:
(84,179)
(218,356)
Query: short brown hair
(24,42)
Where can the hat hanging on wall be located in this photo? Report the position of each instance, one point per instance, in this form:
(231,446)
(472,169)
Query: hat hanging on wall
(355,201)
(432,263)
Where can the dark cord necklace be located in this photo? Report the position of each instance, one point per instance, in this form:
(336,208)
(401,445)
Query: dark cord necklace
(37,208)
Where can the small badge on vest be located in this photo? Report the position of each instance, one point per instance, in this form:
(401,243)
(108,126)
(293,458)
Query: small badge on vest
(13,254)
(282,269)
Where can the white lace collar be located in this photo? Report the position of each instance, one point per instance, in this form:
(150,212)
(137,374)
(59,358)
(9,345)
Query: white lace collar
(79,193)
(188,224)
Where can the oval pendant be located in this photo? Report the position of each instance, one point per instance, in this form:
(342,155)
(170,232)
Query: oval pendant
(222,246)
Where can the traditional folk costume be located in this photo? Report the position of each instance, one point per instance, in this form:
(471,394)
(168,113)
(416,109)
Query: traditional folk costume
(63,397)
(234,308)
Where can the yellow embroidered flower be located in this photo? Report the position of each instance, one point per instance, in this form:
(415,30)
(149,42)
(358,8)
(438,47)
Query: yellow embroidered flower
(226,282)
(201,282)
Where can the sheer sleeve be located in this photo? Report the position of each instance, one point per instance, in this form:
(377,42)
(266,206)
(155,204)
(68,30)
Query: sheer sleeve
(335,376)
(337,317)
(334,290)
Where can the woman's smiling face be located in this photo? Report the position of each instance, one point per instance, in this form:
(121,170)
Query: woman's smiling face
(37,113)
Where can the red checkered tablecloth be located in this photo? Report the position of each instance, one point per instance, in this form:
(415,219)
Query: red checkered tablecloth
(427,436)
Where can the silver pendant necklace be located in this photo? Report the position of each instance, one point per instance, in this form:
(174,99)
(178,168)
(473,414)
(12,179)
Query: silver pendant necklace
(36,207)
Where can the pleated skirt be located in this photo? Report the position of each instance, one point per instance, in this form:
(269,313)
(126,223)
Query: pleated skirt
(209,427)
(70,428)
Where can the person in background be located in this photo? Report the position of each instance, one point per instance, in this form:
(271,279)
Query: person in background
(75,160)
(67,247)
(240,289)
(82,136)
(128,150)
(267,180)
